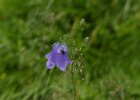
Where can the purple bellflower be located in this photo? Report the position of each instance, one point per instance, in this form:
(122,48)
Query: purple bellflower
(58,57)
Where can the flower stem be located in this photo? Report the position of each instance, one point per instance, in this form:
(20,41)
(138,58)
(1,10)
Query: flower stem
(73,83)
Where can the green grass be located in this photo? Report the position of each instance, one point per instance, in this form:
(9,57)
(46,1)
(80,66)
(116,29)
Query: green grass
(108,68)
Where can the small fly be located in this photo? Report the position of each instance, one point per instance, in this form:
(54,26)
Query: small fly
(63,52)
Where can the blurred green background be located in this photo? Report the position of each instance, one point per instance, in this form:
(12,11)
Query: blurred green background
(111,59)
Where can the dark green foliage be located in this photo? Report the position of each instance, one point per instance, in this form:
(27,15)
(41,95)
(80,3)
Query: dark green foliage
(110,59)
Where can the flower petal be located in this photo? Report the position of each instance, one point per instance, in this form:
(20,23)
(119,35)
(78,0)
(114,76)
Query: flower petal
(57,48)
(64,47)
(47,56)
(63,68)
(67,59)
(61,61)
(50,64)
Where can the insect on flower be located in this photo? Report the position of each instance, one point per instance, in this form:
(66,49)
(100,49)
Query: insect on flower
(58,57)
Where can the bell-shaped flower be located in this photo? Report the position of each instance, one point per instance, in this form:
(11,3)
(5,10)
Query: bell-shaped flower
(58,57)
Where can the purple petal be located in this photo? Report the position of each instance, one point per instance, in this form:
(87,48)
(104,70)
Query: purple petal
(47,56)
(62,68)
(64,47)
(50,64)
(62,61)
(57,48)
(67,59)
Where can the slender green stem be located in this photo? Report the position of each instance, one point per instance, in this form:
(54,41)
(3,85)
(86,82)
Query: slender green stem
(73,83)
